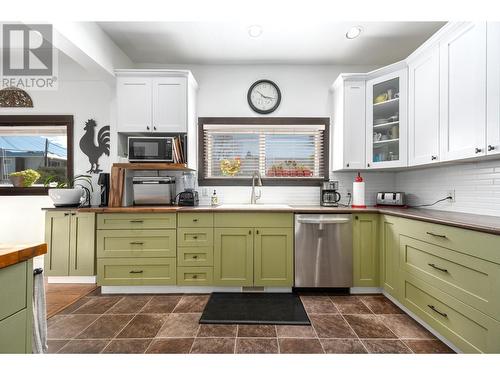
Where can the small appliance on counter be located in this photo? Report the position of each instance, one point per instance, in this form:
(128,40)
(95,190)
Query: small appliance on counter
(329,196)
(391,199)
(188,197)
(153,190)
(103,182)
(151,149)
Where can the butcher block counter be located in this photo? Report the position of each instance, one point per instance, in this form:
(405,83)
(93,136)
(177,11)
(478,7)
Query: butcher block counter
(11,254)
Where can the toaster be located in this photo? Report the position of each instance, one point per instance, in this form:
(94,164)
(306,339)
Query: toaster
(391,199)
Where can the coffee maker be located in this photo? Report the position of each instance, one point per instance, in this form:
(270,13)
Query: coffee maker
(103,182)
(329,196)
(189,197)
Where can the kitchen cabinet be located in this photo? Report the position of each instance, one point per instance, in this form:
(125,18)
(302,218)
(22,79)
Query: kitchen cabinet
(273,257)
(365,251)
(71,243)
(348,115)
(386,120)
(493,88)
(16,308)
(423,108)
(389,254)
(136,271)
(463,92)
(233,256)
(155,101)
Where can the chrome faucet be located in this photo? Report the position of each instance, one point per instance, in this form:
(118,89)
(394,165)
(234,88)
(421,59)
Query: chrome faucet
(254,197)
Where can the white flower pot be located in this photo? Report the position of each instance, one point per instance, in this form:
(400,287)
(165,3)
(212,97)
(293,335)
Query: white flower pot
(66,197)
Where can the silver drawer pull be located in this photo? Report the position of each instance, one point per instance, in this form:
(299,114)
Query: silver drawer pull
(137,243)
(138,271)
(433,308)
(438,268)
(436,235)
(137,221)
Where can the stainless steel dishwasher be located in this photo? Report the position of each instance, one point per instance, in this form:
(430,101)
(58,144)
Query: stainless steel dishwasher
(323,250)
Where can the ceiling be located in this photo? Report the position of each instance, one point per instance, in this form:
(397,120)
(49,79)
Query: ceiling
(380,43)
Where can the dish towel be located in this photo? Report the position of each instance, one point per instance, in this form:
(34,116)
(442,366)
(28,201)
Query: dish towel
(39,344)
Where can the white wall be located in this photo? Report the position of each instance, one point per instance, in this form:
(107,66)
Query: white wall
(80,95)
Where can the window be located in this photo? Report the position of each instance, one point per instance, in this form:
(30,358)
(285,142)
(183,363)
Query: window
(286,151)
(37,146)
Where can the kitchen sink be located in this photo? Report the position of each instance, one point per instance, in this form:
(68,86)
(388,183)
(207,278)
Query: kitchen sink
(248,206)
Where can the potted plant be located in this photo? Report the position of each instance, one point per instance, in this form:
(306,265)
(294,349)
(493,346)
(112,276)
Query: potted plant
(24,178)
(69,193)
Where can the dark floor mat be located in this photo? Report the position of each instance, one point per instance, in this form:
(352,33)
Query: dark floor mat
(255,308)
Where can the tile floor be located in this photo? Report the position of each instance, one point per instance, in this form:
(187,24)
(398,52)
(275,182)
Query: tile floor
(169,324)
(60,296)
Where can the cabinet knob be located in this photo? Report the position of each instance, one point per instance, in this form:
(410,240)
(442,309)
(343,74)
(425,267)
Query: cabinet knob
(478,150)
(66,214)
(249,232)
(491,148)
(257,231)
(434,157)
(347,165)
(195,220)
(368,165)
(195,276)
(356,217)
(154,127)
(147,127)
(195,237)
(195,256)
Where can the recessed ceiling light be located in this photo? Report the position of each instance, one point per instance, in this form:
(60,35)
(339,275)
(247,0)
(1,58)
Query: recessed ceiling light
(354,32)
(255,31)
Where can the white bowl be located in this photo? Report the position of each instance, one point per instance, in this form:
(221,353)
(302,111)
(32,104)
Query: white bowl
(66,197)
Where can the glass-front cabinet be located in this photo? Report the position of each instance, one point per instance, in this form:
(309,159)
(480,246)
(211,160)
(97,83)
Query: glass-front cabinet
(386,125)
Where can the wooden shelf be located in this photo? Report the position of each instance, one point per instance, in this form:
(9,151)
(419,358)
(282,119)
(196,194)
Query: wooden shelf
(153,166)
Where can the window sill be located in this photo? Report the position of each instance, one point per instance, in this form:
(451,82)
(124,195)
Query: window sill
(265,181)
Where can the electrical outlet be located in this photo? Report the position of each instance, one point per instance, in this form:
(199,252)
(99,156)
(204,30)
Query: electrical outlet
(451,193)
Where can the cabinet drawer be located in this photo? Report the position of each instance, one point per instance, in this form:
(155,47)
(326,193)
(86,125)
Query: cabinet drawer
(136,271)
(471,280)
(253,219)
(478,244)
(467,328)
(195,237)
(195,275)
(195,219)
(13,334)
(136,243)
(13,289)
(195,256)
(136,221)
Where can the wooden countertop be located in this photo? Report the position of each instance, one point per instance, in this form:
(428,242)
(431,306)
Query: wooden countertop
(15,253)
(482,223)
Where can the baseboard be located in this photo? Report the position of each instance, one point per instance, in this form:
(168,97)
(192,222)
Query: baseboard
(158,289)
(422,322)
(71,279)
(365,290)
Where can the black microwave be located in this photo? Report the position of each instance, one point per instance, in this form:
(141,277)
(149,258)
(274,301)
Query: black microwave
(154,149)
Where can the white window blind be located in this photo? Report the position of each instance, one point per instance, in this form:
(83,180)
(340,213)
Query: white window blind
(276,151)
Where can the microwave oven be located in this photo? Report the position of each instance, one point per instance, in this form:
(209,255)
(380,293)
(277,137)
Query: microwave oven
(153,149)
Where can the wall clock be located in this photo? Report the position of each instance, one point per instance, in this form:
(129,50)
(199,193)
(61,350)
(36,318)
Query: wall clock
(264,96)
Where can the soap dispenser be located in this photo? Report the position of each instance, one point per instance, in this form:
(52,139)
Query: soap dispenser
(215,199)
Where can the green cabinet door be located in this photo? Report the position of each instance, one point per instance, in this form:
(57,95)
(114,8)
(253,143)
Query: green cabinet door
(82,244)
(273,257)
(233,257)
(389,255)
(365,251)
(57,237)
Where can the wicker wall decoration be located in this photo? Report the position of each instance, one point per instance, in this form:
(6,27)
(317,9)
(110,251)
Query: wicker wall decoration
(12,97)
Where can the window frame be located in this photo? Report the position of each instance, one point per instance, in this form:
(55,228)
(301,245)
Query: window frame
(42,120)
(283,181)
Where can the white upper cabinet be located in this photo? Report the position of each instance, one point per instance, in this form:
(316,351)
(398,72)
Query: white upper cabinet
(386,120)
(134,97)
(423,108)
(348,116)
(170,104)
(493,89)
(153,101)
(463,92)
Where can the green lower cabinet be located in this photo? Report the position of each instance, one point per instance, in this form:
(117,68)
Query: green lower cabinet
(195,276)
(273,257)
(71,243)
(195,256)
(136,271)
(365,251)
(233,256)
(389,255)
(13,333)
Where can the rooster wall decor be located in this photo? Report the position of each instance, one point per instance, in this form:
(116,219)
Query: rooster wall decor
(89,148)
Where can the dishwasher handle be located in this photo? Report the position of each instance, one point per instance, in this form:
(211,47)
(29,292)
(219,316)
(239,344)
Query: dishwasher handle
(337,220)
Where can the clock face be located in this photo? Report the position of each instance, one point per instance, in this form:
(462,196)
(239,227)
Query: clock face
(264,96)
